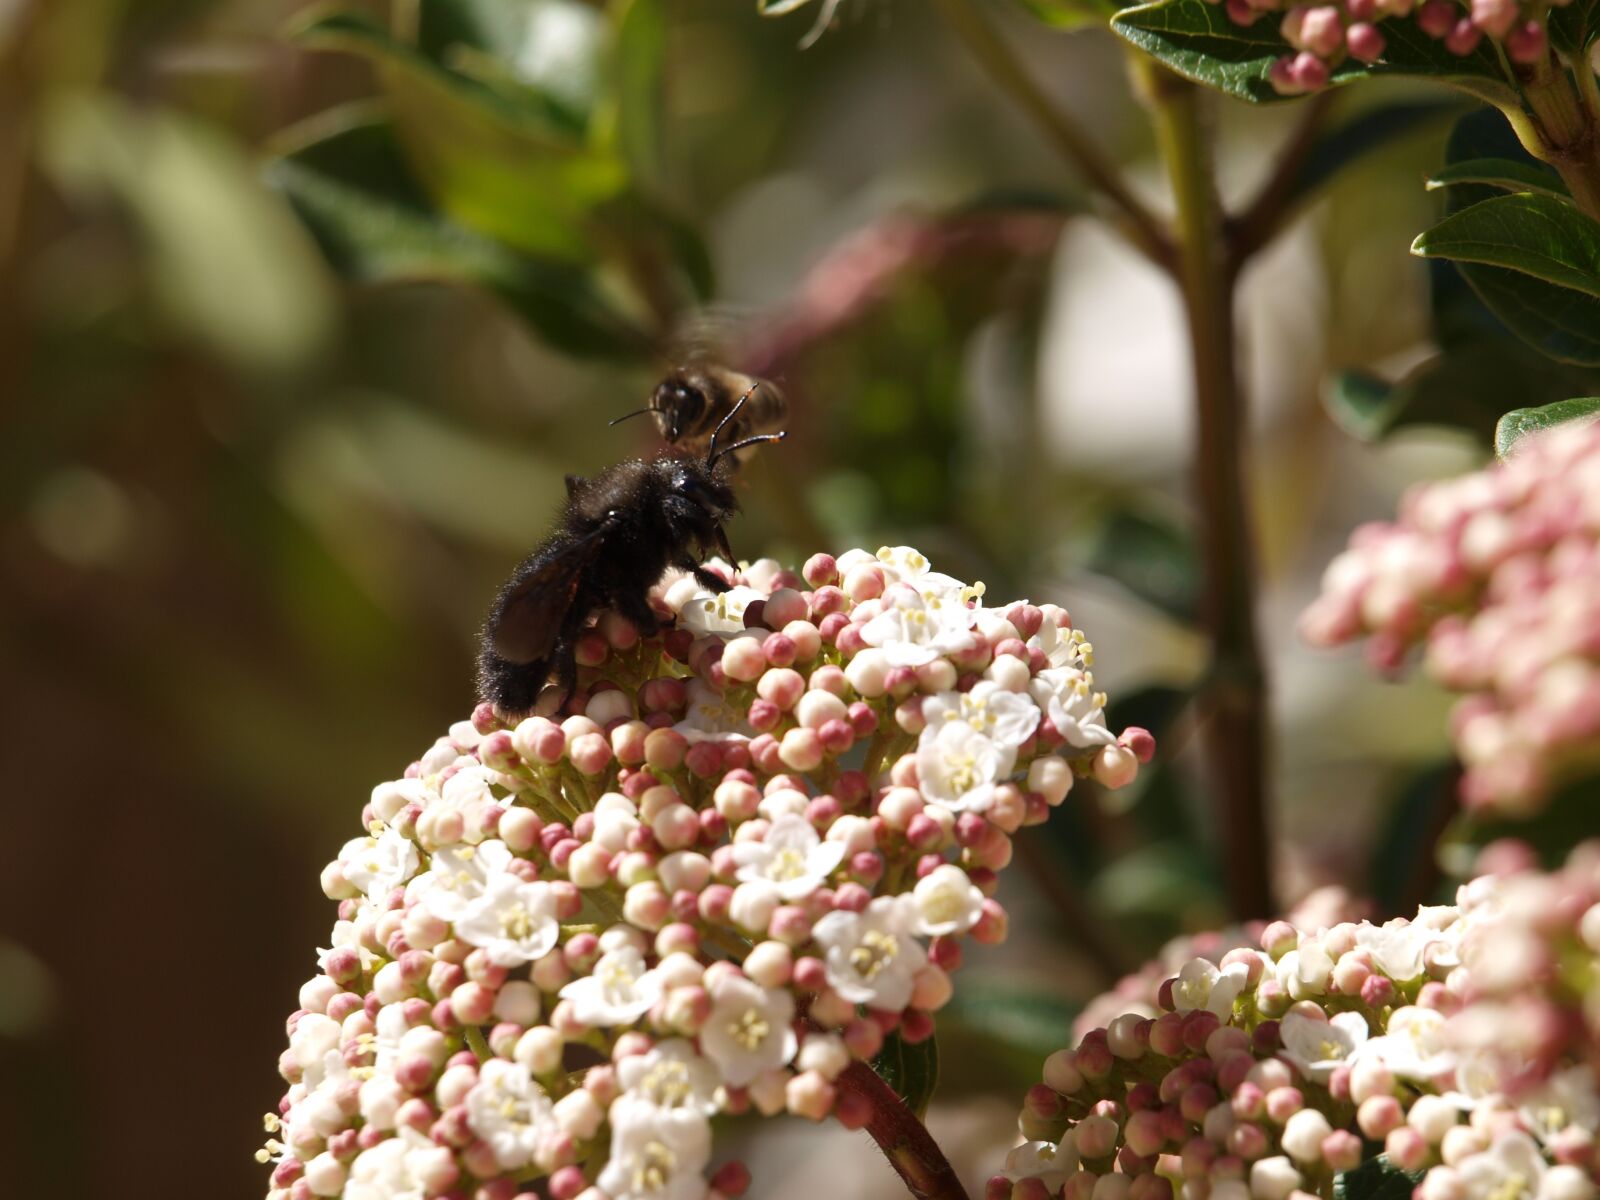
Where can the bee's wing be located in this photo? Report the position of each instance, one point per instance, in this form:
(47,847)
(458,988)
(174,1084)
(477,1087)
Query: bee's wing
(530,614)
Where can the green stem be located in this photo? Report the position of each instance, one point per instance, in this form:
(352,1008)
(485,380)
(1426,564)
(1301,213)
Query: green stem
(1233,696)
(1140,225)
(1565,116)
(477,1043)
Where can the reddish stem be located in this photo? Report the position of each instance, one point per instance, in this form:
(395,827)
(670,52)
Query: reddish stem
(904,1140)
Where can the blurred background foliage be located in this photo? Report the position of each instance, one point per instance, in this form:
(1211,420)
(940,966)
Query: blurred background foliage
(304,313)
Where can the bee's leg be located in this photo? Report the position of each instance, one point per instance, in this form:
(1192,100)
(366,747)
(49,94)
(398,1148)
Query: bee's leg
(636,608)
(709,580)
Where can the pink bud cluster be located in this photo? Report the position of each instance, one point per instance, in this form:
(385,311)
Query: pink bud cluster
(1325,35)
(1461,1043)
(1497,575)
(744,853)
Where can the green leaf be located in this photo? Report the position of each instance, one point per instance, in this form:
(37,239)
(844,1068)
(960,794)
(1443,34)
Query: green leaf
(1199,42)
(351,188)
(488,162)
(1375,1179)
(1366,133)
(1150,557)
(1538,235)
(1068,14)
(1520,422)
(1535,262)
(911,1070)
(639,68)
(1574,26)
(226,262)
(1502,173)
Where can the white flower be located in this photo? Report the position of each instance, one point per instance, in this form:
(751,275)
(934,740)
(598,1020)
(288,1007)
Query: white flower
(958,766)
(792,856)
(378,865)
(1006,718)
(1061,647)
(1510,1169)
(671,1075)
(1077,711)
(1397,947)
(710,716)
(1050,1162)
(1201,984)
(1317,1047)
(1414,1045)
(514,921)
(708,612)
(619,991)
(945,901)
(459,876)
(914,629)
(656,1153)
(749,1030)
(1568,1098)
(870,956)
(385,1172)
(509,1110)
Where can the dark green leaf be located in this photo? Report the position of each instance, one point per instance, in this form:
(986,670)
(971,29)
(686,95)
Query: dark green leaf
(1150,557)
(1535,262)
(1200,42)
(1567,818)
(1574,26)
(1366,133)
(1375,1179)
(1540,236)
(1505,174)
(911,1070)
(1069,14)
(1153,708)
(353,191)
(483,159)
(1520,422)
(1422,803)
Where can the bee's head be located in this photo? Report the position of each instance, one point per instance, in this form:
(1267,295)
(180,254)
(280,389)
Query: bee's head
(677,404)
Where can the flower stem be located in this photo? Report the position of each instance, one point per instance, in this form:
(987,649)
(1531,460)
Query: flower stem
(904,1140)
(1070,140)
(1565,116)
(1232,698)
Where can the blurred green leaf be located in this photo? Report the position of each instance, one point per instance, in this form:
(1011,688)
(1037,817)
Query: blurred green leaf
(1520,422)
(1366,133)
(1154,708)
(638,67)
(1403,847)
(1503,173)
(492,165)
(1574,26)
(1159,882)
(539,56)
(1150,557)
(1567,818)
(1375,1179)
(351,188)
(225,259)
(1200,42)
(911,1070)
(1535,261)
(1069,14)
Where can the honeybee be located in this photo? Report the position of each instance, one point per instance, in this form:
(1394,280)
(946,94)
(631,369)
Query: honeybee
(693,401)
(616,535)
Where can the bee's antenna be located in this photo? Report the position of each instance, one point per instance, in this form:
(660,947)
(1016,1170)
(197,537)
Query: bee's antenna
(712,453)
(638,412)
(749,441)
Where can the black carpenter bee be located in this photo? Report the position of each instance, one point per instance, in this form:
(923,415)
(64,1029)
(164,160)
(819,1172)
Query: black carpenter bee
(696,400)
(618,533)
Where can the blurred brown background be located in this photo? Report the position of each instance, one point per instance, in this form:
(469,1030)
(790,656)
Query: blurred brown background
(250,515)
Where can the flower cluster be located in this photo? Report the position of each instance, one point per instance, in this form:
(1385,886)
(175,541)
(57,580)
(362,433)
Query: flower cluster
(749,856)
(1462,1043)
(1325,35)
(1497,573)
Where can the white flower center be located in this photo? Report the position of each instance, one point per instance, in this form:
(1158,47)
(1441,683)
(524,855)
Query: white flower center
(656,1163)
(875,951)
(1512,1187)
(667,1083)
(750,1028)
(516,922)
(943,905)
(787,864)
